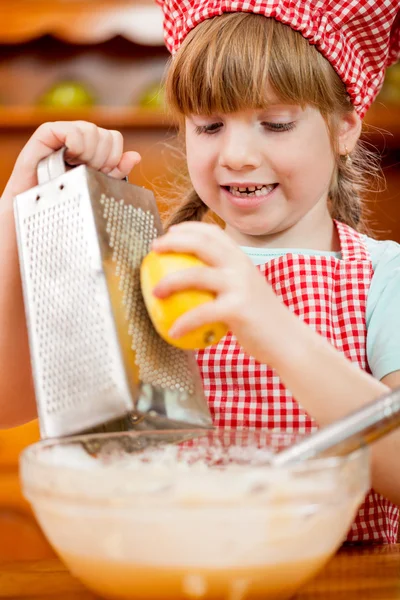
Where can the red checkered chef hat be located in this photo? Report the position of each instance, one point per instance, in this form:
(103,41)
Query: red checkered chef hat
(360,38)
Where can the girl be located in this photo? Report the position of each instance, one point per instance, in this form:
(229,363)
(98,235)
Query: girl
(271,131)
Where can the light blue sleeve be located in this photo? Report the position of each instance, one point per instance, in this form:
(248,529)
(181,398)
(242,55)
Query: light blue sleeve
(383,303)
(383,309)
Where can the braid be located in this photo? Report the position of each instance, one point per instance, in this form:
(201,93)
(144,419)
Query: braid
(346,205)
(349,185)
(191,209)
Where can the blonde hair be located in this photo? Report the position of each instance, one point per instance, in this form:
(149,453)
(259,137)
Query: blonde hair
(223,66)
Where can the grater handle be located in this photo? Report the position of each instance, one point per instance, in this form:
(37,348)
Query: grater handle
(361,427)
(52,166)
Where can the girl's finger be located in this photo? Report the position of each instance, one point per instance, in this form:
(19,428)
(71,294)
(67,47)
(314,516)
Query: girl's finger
(209,230)
(91,137)
(201,278)
(128,161)
(48,138)
(202,315)
(80,138)
(102,150)
(116,150)
(212,247)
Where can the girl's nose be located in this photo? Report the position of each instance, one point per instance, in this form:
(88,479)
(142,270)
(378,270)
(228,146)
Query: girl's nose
(239,151)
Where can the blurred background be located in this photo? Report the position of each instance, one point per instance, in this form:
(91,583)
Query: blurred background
(103,62)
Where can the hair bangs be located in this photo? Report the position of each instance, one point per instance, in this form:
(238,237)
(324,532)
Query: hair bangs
(242,60)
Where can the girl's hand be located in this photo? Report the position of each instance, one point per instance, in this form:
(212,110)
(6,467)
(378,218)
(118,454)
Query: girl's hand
(244,300)
(86,143)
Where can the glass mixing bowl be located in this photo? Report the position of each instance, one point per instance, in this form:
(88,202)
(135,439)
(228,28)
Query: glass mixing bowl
(190,514)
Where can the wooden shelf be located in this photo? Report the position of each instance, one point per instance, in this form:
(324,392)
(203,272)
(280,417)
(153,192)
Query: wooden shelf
(381,122)
(18,117)
(81,21)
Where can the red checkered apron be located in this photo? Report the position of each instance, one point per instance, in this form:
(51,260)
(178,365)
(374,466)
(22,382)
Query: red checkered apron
(330,295)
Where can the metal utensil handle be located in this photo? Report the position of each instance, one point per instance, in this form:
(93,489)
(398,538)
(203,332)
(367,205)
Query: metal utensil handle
(52,166)
(361,427)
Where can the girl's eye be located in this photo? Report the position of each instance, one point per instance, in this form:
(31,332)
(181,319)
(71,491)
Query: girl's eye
(209,129)
(279,126)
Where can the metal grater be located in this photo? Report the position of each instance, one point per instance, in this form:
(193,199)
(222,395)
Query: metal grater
(97,361)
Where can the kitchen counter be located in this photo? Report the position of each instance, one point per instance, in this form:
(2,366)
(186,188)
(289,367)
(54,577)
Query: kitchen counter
(353,574)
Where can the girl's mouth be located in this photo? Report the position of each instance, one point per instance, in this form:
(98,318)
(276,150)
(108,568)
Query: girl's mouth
(249,197)
(253,190)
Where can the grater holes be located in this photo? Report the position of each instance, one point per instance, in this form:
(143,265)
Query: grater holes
(62,282)
(131,231)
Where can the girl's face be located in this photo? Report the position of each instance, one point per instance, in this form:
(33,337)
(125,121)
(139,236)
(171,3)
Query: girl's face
(266,173)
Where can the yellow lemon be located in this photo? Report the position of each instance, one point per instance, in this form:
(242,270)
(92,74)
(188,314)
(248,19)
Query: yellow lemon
(165,311)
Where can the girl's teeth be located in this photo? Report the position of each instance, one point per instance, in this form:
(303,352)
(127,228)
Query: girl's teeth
(251,191)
